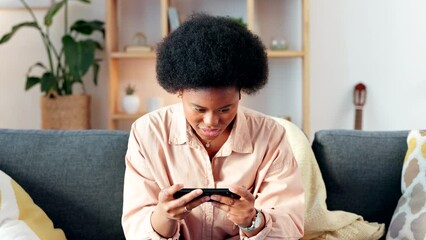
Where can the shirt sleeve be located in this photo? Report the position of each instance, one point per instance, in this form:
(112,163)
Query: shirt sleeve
(265,233)
(279,193)
(139,195)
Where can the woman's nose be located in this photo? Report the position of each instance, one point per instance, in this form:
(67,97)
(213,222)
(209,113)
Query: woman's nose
(211,119)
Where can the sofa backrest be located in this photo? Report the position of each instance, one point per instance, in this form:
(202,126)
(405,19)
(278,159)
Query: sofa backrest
(362,170)
(76,177)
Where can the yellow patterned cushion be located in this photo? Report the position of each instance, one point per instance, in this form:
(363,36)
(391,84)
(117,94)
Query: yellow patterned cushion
(409,218)
(20,217)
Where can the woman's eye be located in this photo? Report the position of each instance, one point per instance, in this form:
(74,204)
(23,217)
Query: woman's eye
(224,110)
(200,110)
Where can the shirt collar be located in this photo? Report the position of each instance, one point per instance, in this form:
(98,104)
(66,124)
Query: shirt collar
(240,134)
(178,127)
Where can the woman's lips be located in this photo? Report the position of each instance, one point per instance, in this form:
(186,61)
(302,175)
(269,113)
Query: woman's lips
(210,132)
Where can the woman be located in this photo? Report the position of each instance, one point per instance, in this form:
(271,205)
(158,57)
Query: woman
(209,141)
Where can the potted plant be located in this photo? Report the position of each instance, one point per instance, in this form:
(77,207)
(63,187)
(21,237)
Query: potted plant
(67,65)
(130,101)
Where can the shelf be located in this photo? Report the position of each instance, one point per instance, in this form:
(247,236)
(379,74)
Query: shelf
(124,18)
(284,54)
(149,55)
(125,116)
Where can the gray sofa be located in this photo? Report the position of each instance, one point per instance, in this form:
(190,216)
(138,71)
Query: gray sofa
(76,177)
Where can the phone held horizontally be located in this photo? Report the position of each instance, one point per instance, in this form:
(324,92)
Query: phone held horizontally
(207,192)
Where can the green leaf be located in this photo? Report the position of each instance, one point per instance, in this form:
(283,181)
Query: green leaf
(53,10)
(67,86)
(38,64)
(239,20)
(72,55)
(88,54)
(31,81)
(15,28)
(79,56)
(95,73)
(48,82)
(88,27)
(98,45)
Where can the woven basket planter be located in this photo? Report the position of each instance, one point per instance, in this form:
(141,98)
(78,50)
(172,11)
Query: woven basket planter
(70,112)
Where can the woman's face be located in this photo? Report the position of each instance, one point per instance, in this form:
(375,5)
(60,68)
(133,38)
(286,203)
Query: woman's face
(210,111)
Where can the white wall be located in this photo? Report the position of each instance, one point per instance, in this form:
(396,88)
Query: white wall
(20,108)
(381,43)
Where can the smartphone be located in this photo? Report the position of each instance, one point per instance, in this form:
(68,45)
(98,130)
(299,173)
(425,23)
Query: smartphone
(207,192)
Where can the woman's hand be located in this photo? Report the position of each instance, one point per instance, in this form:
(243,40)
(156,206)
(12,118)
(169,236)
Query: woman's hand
(177,209)
(168,209)
(239,211)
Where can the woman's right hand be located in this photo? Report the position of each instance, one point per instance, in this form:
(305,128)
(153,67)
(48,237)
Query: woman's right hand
(168,209)
(177,209)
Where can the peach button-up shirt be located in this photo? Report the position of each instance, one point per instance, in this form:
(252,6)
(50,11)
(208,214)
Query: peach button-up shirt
(163,151)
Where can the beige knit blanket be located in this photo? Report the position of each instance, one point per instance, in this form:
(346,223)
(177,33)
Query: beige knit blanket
(320,223)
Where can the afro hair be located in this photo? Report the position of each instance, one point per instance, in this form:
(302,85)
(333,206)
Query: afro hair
(211,51)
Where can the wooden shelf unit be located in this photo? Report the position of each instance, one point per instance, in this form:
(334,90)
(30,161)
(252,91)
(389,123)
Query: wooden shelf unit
(114,56)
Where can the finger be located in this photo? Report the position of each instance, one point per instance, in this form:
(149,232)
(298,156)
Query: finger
(186,209)
(221,206)
(189,197)
(167,193)
(222,199)
(194,201)
(243,192)
(197,202)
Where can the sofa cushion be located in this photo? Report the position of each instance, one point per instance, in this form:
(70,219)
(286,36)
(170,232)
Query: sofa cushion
(20,218)
(409,219)
(76,177)
(361,170)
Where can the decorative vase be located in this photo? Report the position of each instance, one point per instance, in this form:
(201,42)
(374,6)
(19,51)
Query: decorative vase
(130,104)
(70,112)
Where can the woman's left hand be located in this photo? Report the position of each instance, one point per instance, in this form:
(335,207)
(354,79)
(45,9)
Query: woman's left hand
(239,211)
